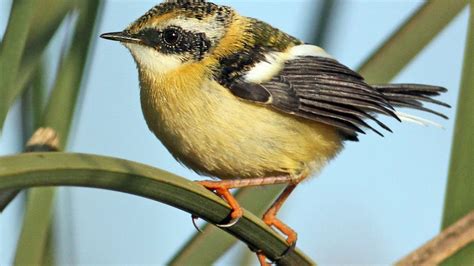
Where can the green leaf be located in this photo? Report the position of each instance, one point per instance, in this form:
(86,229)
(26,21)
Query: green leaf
(63,169)
(460,191)
(61,105)
(37,202)
(46,21)
(11,51)
(32,102)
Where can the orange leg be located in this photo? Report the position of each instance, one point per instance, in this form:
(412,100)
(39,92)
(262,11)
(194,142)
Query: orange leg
(262,259)
(270,216)
(270,219)
(221,188)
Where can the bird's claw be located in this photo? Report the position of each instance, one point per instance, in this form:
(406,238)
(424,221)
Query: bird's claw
(194,218)
(231,223)
(287,251)
(264,261)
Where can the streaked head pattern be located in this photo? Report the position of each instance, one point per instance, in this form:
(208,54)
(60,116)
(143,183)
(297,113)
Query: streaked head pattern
(185,31)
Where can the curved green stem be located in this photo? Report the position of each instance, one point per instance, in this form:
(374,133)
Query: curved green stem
(65,169)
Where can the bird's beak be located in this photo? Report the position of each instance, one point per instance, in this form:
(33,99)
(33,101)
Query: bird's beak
(121,37)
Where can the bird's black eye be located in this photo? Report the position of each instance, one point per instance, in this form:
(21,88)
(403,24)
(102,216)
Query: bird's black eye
(171,36)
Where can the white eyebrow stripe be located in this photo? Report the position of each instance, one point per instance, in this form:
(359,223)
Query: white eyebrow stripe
(195,25)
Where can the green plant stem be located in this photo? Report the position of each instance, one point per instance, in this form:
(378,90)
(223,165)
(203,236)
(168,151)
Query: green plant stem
(460,191)
(37,202)
(62,103)
(388,60)
(62,169)
(324,20)
(11,51)
(32,102)
(46,21)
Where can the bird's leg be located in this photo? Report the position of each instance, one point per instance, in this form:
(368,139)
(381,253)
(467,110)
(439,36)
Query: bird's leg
(270,219)
(221,188)
(270,216)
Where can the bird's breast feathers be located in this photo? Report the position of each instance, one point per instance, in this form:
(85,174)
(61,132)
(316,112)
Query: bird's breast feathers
(214,132)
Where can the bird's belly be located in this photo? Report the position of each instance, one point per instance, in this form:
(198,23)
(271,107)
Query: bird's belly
(224,137)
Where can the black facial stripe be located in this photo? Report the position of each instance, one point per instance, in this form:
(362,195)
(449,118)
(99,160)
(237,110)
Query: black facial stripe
(197,44)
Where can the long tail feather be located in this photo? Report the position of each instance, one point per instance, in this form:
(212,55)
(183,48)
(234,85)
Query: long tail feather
(413,96)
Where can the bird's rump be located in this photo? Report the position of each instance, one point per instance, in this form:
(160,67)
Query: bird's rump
(321,89)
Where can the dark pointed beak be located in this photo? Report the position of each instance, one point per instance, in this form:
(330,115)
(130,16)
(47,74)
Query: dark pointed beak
(121,37)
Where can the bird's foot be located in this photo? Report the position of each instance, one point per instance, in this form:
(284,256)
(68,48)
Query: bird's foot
(222,189)
(262,258)
(270,219)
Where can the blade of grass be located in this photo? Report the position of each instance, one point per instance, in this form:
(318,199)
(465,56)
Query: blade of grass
(62,103)
(388,60)
(459,196)
(32,102)
(12,49)
(46,21)
(422,20)
(66,169)
(37,203)
(58,115)
(324,19)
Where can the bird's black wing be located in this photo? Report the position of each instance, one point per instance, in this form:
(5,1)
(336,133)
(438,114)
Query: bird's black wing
(323,90)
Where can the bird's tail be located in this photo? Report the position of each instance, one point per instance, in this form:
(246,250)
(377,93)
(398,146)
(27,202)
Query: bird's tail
(413,96)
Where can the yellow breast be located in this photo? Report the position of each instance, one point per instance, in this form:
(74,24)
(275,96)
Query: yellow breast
(212,132)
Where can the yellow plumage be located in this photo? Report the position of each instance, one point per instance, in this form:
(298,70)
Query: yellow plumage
(211,131)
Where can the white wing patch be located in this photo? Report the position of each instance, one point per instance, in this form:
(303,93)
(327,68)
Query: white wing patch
(275,61)
(265,70)
(307,50)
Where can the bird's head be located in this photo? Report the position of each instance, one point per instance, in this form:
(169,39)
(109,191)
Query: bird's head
(175,33)
(183,32)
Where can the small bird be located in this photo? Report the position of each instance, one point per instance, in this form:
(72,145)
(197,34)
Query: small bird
(233,98)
